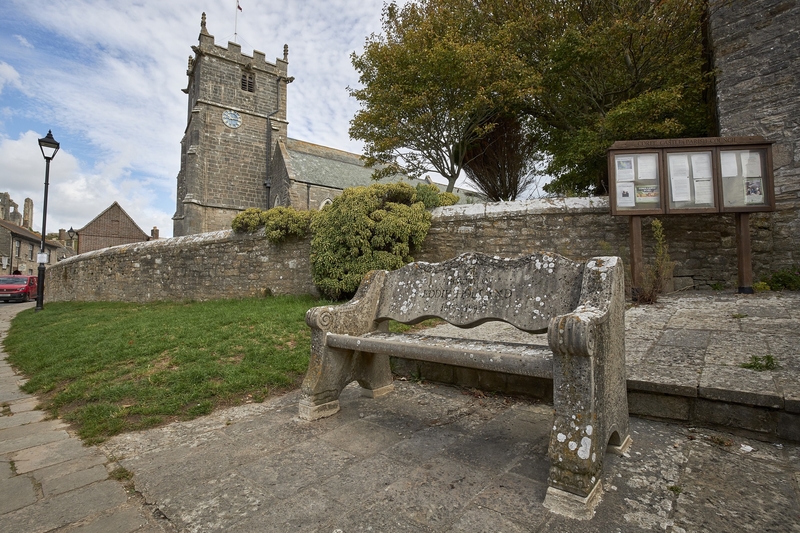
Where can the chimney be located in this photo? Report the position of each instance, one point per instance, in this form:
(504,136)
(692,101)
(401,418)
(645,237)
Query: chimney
(62,234)
(154,233)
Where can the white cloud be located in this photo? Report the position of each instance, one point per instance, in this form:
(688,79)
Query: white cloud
(8,76)
(23,41)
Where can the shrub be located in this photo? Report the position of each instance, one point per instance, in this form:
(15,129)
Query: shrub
(432,197)
(248,221)
(786,279)
(278,222)
(655,276)
(367,228)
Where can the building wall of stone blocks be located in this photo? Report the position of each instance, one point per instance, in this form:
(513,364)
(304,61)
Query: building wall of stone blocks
(757,60)
(311,197)
(213,265)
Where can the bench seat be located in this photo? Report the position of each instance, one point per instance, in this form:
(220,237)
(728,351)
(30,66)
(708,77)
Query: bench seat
(512,358)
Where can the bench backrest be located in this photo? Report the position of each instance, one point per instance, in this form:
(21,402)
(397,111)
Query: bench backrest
(474,288)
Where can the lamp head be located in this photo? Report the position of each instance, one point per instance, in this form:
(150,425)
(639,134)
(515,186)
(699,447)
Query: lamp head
(48,145)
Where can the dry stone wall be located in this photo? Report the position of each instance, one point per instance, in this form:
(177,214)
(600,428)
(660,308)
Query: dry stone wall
(214,265)
(223,264)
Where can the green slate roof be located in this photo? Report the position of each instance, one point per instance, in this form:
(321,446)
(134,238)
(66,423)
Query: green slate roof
(328,167)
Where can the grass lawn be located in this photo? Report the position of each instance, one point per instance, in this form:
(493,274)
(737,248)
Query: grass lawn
(114,367)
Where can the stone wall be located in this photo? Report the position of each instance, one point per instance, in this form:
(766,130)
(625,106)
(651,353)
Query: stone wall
(757,60)
(227,265)
(703,246)
(221,264)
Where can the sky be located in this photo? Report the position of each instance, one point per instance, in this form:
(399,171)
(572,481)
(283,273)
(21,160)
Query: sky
(106,77)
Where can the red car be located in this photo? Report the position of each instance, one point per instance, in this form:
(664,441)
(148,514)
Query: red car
(18,288)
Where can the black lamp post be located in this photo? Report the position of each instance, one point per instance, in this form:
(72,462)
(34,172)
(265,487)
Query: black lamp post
(49,147)
(72,234)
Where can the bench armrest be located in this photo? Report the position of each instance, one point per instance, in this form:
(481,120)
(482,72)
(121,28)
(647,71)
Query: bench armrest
(355,317)
(602,296)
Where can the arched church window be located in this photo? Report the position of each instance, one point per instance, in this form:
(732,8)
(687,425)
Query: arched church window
(325,202)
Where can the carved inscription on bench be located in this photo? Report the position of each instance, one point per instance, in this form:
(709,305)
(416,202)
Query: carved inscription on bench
(475,288)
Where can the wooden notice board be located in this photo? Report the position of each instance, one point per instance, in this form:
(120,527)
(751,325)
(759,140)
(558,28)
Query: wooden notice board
(692,176)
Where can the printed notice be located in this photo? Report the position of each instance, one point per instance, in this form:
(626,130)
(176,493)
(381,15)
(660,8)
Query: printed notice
(625,195)
(679,177)
(647,194)
(751,165)
(753,191)
(648,166)
(625,168)
(701,165)
(703,192)
(728,164)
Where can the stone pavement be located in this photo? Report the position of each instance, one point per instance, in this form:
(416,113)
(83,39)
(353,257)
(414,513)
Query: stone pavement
(436,458)
(49,481)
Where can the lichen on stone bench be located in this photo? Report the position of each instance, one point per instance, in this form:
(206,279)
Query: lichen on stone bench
(579,305)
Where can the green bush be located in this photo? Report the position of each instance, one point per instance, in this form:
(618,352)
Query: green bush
(367,228)
(278,222)
(248,221)
(432,197)
(786,279)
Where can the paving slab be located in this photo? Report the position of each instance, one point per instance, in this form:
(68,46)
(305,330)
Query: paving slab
(53,453)
(35,436)
(740,385)
(65,509)
(21,419)
(16,492)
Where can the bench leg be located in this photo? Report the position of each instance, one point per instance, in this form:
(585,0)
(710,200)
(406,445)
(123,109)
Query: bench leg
(373,374)
(329,372)
(577,442)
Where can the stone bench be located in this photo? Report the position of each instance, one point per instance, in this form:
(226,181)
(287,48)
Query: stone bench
(579,305)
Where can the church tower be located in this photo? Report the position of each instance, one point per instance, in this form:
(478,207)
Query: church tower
(236,115)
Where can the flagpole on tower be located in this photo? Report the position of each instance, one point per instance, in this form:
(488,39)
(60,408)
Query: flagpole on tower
(236,21)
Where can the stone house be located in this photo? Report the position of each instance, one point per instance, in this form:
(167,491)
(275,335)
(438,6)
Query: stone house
(112,227)
(235,151)
(19,248)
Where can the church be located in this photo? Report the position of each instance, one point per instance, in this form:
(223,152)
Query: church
(235,151)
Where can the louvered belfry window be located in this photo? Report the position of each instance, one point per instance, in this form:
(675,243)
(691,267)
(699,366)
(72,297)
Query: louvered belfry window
(248,82)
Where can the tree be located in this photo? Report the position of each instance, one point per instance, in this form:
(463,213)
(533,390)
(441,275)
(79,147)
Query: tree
(501,163)
(432,81)
(610,70)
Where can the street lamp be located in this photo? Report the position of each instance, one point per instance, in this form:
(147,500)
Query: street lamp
(72,234)
(49,147)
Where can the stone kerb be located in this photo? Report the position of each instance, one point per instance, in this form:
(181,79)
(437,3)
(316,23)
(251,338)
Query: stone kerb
(221,264)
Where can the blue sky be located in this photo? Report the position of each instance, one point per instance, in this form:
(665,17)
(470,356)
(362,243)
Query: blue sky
(106,78)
